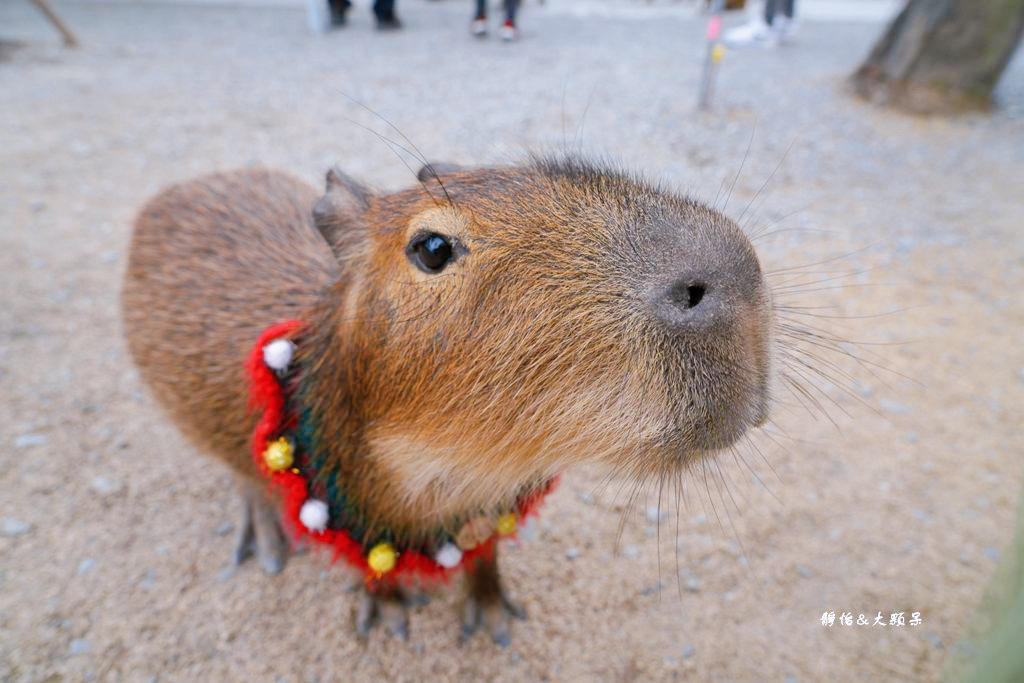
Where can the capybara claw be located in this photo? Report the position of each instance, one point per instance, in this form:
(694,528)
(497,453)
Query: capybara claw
(260,533)
(514,609)
(386,606)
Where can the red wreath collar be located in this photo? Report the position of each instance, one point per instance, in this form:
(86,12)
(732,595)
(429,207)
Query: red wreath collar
(307,517)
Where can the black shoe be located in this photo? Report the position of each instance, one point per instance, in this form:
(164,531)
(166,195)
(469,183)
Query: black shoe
(338,18)
(388,22)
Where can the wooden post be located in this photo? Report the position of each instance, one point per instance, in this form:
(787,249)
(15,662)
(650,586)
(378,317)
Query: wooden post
(69,37)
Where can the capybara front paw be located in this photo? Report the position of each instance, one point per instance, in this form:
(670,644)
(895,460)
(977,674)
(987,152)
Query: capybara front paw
(260,534)
(387,606)
(493,613)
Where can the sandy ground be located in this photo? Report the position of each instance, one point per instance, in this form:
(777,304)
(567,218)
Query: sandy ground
(115,540)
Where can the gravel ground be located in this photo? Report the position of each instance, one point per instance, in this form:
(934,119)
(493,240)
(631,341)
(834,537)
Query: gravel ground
(114,544)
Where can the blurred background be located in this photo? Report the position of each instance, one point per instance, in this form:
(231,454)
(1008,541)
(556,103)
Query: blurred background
(887,208)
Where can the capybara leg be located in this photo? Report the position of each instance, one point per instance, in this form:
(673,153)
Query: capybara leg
(260,533)
(385,603)
(487,602)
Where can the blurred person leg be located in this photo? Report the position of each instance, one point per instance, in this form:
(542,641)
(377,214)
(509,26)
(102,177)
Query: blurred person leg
(479,25)
(784,22)
(339,10)
(508,30)
(384,10)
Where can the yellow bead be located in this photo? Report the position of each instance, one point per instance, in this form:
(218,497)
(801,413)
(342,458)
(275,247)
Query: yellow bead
(717,52)
(382,558)
(507,524)
(279,455)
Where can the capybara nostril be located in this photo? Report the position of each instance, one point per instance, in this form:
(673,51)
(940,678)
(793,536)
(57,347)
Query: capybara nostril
(687,294)
(692,303)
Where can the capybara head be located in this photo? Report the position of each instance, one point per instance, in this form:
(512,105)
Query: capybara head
(509,322)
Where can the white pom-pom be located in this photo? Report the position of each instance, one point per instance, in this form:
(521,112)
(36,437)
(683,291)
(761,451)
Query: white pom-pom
(313,514)
(278,354)
(448,556)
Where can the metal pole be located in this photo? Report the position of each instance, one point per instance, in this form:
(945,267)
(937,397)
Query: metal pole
(713,55)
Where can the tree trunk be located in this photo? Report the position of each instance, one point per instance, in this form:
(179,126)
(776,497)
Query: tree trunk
(942,56)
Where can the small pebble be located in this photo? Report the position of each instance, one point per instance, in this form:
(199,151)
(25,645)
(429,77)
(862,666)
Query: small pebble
(79,646)
(894,407)
(148,580)
(26,440)
(585,497)
(572,553)
(906,243)
(226,574)
(920,515)
(224,529)
(102,485)
(911,437)
(934,640)
(804,571)
(688,651)
(631,551)
(654,514)
(653,589)
(864,390)
(693,584)
(529,531)
(992,553)
(85,566)
(16,527)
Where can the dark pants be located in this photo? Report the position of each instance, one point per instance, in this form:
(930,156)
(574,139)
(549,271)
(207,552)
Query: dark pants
(510,9)
(773,6)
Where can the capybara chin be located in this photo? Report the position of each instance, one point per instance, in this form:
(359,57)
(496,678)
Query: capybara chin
(461,343)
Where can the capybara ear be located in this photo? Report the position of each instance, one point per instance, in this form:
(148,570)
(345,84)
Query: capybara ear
(431,170)
(341,209)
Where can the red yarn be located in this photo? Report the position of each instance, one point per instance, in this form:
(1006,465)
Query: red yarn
(266,394)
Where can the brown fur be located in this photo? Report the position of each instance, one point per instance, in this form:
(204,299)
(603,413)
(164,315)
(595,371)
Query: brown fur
(438,395)
(212,264)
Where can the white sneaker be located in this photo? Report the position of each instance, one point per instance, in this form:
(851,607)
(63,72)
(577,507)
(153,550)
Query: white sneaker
(478,28)
(786,28)
(756,32)
(508,31)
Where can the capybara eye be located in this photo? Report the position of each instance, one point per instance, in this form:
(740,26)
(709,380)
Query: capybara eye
(431,252)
